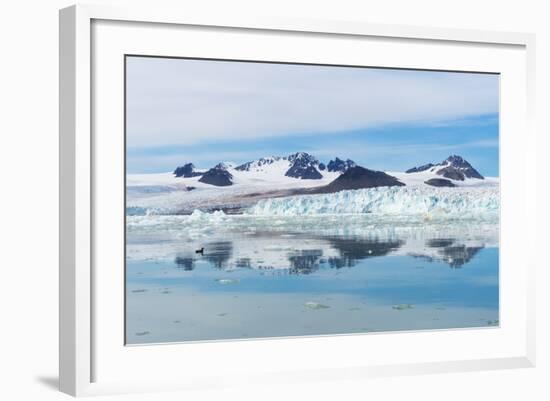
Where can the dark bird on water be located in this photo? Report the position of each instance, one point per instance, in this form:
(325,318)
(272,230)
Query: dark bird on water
(201,251)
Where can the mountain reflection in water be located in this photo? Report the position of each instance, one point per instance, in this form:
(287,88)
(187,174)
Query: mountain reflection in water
(256,282)
(302,255)
(451,252)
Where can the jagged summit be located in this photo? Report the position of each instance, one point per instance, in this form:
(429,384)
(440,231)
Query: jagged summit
(340,165)
(187,170)
(303,166)
(454,167)
(302,157)
(457,161)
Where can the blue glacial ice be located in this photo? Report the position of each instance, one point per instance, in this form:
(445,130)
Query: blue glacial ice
(429,202)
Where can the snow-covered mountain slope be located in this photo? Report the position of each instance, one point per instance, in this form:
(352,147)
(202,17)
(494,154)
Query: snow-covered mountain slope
(265,164)
(453,168)
(419,179)
(299,165)
(138,185)
(165,194)
(275,169)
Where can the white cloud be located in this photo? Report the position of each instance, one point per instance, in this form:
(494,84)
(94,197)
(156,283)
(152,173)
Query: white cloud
(362,151)
(176,102)
(156,162)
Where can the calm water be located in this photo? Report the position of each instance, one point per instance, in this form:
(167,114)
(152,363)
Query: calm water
(255,282)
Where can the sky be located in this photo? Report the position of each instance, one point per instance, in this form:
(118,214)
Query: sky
(204,112)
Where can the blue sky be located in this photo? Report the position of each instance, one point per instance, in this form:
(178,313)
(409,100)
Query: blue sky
(204,112)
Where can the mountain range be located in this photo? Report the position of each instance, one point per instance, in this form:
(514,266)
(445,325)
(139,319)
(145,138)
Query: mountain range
(342,174)
(300,165)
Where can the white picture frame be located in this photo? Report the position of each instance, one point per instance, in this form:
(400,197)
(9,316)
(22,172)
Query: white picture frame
(81,342)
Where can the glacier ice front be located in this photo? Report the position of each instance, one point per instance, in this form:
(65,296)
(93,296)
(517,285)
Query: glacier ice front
(430,202)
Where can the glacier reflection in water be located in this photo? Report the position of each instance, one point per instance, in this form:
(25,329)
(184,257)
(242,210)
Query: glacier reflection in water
(313,275)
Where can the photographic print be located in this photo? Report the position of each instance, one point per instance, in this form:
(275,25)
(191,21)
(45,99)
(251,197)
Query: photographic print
(268,199)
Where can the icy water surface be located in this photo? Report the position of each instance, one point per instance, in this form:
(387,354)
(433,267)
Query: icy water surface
(296,276)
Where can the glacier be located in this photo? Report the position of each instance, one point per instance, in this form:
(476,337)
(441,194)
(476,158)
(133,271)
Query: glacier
(267,232)
(465,202)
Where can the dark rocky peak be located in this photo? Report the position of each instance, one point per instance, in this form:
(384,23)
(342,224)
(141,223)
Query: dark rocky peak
(187,170)
(218,176)
(340,165)
(457,168)
(303,166)
(456,161)
(454,167)
(358,177)
(305,172)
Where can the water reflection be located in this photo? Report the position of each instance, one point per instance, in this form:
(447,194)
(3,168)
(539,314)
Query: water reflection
(243,263)
(259,283)
(451,252)
(219,253)
(303,255)
(354,250)
(186,264)
(305,262)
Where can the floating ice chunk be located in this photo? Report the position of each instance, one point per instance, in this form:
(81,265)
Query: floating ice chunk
(225,281)
(402,306)
(217,216)
(315,305)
